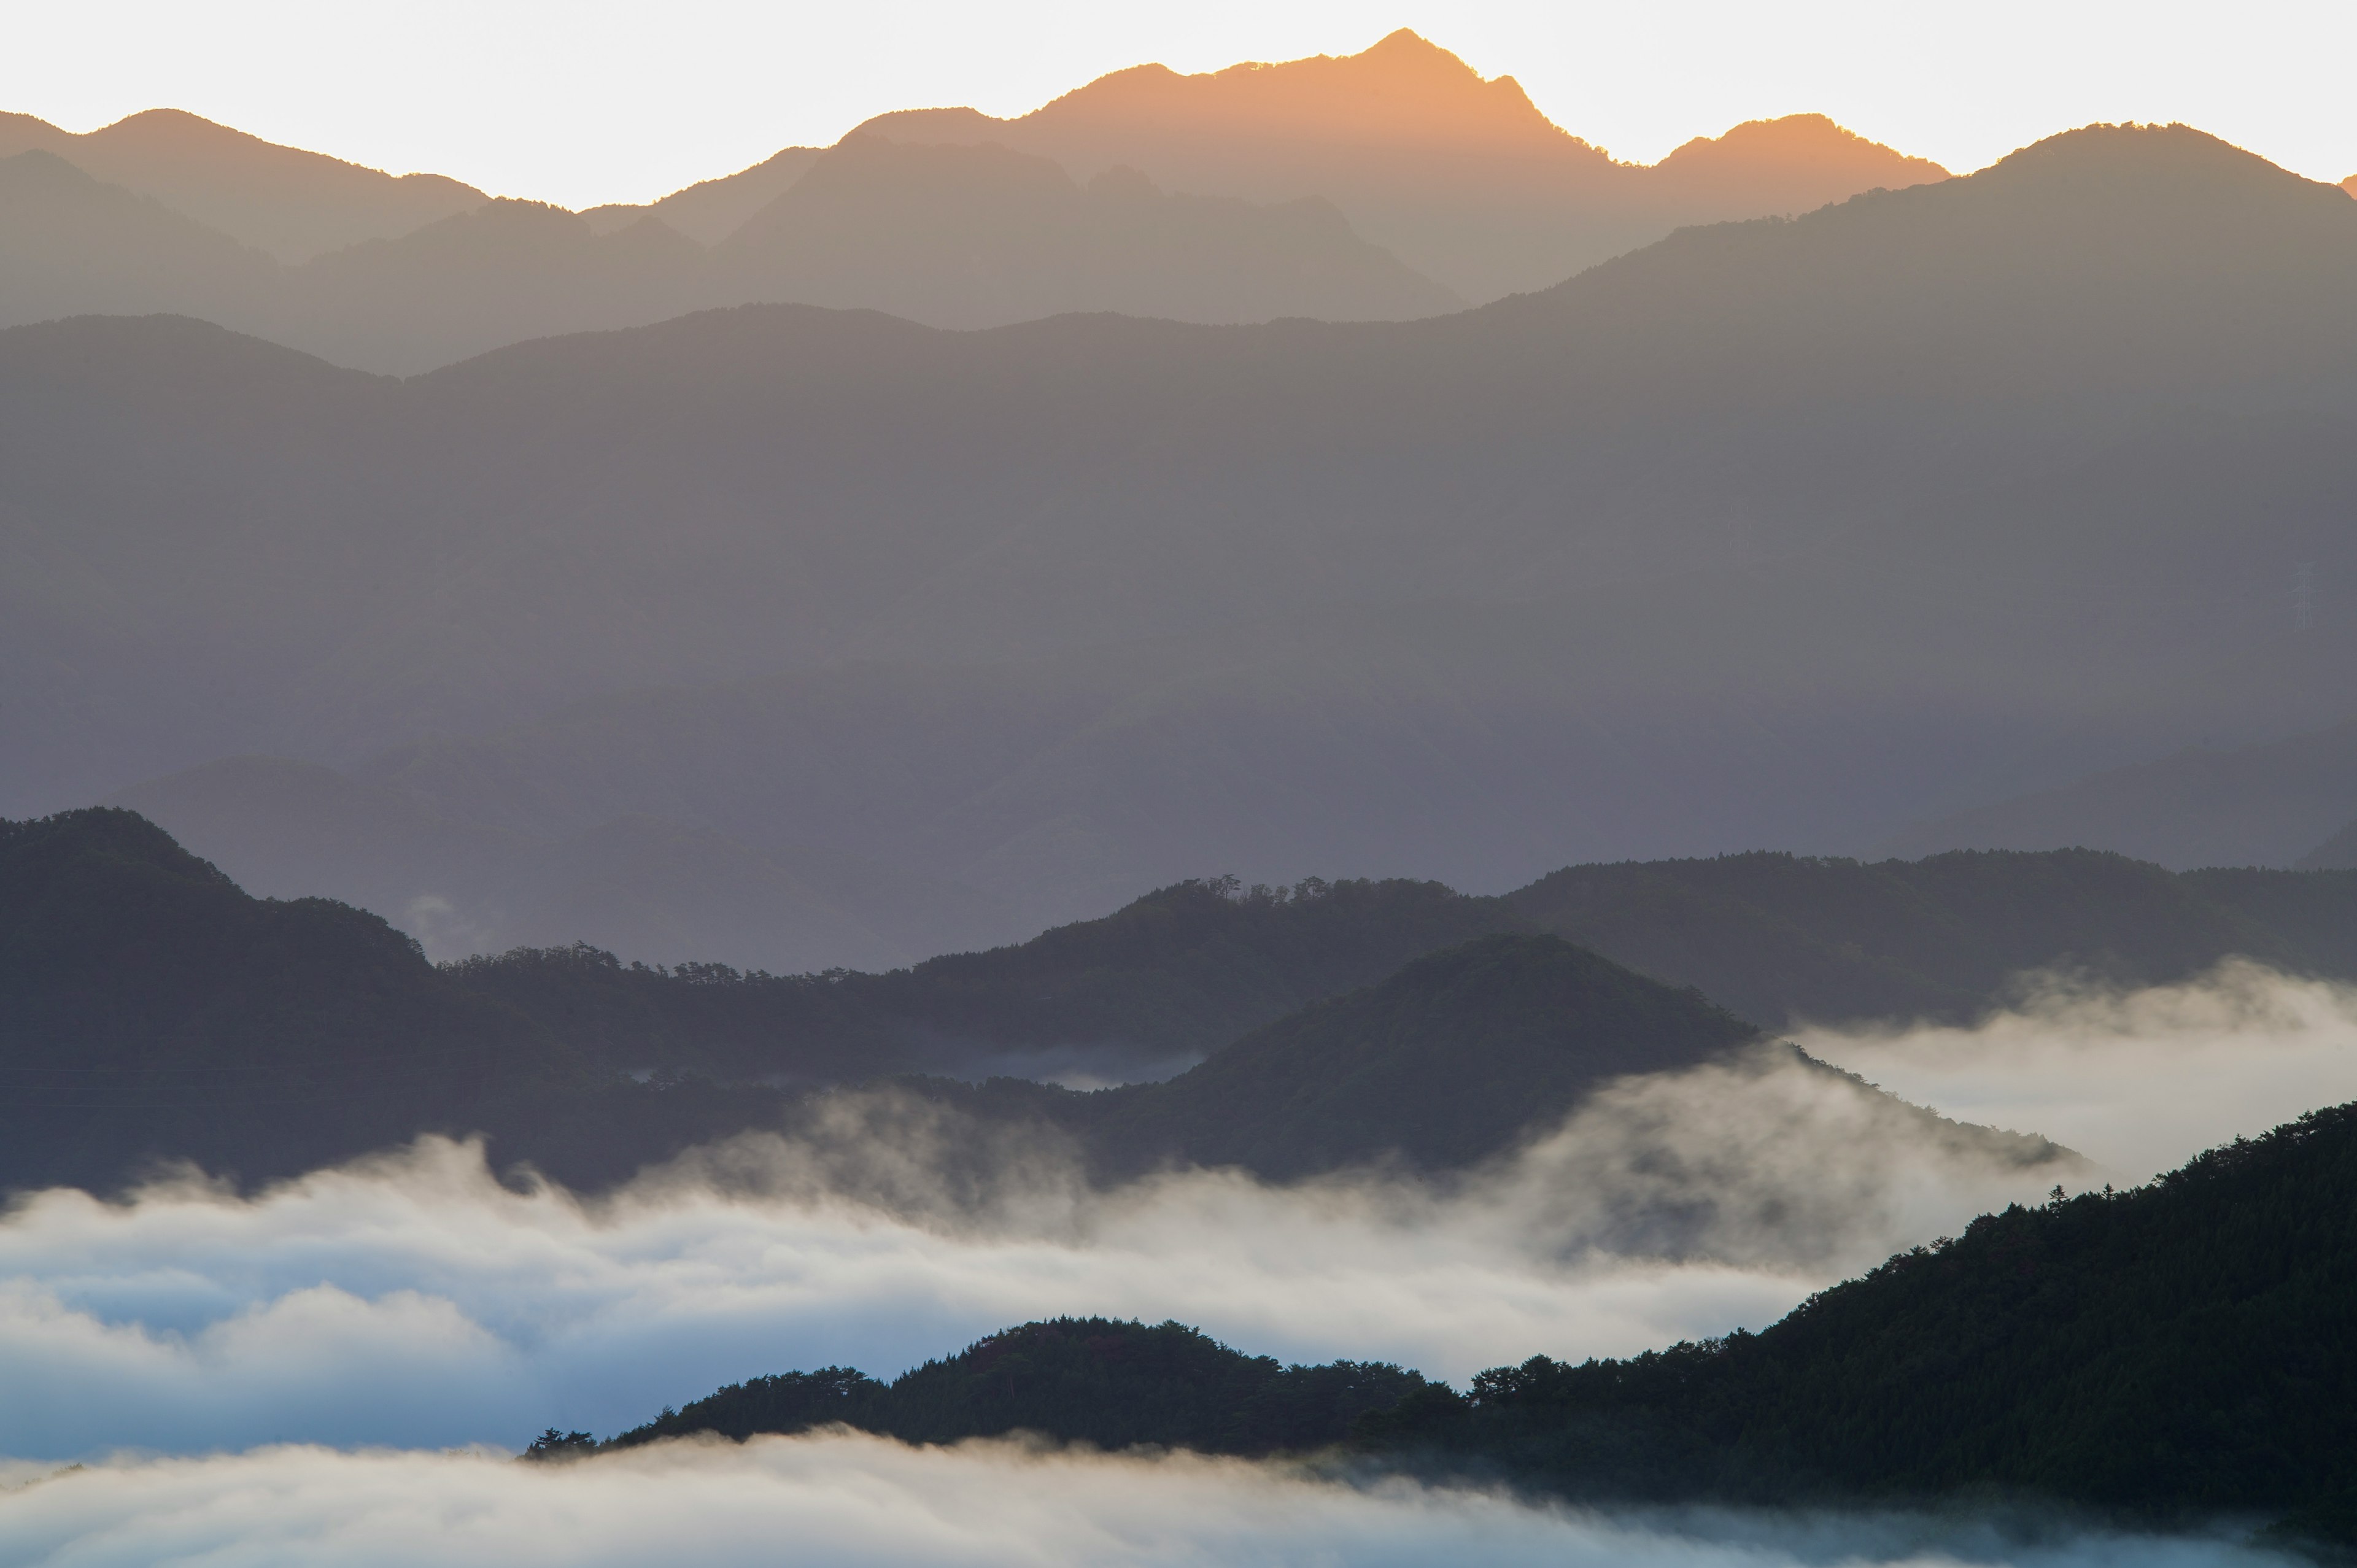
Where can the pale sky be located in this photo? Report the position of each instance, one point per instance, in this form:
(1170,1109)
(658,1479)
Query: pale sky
(599,100)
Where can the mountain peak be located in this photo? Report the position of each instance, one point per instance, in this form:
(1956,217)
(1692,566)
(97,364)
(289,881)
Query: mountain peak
(2128,154)
(1403,91)
(1796,163)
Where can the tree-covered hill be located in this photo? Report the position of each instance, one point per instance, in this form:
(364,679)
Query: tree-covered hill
(1082,1379)
(1189,969)
(149,1010)
(1443,1063)
(2185,1349)
(1169,977)
(2174,1354)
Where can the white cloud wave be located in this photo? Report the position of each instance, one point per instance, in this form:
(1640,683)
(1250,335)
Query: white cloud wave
(849,1501)
(413,1300)
(2138,1080)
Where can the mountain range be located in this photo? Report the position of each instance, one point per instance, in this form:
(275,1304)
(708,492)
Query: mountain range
(938,217)
(1460,178)
(1699,550)
(155,1010)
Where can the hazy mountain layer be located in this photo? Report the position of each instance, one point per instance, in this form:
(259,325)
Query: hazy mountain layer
(639,886)
(1462,179)
(286,202)
(957,237)
(979,236)
(1784,533)
(2282,803)
(711,210)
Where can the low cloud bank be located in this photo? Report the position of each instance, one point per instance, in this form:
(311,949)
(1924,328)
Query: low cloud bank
(2136,1080)
(413,1300)
(860,1502)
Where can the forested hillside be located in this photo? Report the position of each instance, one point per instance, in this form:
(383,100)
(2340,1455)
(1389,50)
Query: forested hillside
(2170,1355)
(152,1009)
(2181,1350)
(1441,1065)
(1090,1379)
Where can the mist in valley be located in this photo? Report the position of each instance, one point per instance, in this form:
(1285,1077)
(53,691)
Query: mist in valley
(416,1299)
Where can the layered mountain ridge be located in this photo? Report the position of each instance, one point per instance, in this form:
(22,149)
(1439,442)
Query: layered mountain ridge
(940,216)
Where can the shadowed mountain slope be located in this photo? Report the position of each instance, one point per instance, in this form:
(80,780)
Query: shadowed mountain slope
(1460,178)
(153,1010)
(1444,1064)
(287,202)
(1335,1024)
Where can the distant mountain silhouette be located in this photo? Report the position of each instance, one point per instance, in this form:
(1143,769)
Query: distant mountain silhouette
(1782,532)
(1460,178)
(978,236)
(502,272)
(1267,191)
(2283,803)
(953,236)
(710,210)
(71,245)
(1780,938)
(1795,163)
(290,203)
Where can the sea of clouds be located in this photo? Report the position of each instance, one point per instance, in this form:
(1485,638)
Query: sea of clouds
(851,1501)
(259,1372)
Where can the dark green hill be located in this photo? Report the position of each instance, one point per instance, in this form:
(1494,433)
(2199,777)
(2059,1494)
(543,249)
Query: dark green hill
(2175,1353)
(1443,1064)
(2185,1349)
(1089,1380)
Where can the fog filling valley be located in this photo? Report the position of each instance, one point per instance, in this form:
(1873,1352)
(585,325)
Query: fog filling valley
(413,1300)
(857,1501)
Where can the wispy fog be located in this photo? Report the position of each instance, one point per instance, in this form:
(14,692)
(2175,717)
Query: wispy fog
(2135,1081)
(855,1502)
(415,1300)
